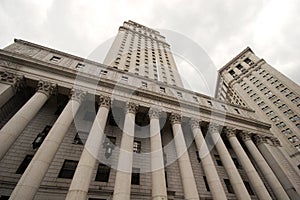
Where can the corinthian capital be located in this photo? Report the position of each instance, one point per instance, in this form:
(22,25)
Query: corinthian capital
(77,95)
(275,141)
(213,127)
(132,107)
(175,118)
(245,136)
(104,101)
(46,87)
(260,139)
(230,132)
(154,113)
(194,123)
(10,78)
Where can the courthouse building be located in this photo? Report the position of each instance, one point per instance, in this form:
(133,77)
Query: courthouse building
(72,128)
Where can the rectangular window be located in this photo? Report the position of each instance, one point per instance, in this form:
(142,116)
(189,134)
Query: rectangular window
(55,58)
(206,183)
(218,160)
(209,103)
(103,172)
(144,84)
(249,189)
(124,78)
(228,186)
(137,146)
(68,169)
(195,99)
(162,89)
(179,94)
(293,139)
(135,176)
(24,164)
(237,111)
(103,72)
(79,66)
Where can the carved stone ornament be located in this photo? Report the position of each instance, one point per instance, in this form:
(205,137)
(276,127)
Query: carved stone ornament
(77,95)
(194,123)
(213,127)
(131,107)
(154,113)
(46,87)
(230,132)
(104,101)
(275,141)
(259,139)
(12,79)
(175,118)
(245,136)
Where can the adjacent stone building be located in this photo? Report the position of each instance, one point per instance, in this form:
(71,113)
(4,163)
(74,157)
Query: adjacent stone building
(72,128)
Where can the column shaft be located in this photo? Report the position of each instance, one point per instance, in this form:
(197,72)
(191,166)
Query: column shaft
(159,190)
(208,165)
(80,183)
(265,169)
(6,92)
(14,127)
(185,168)
(277,167)
(30,182)
(256,182)
(233,174)
(123,174)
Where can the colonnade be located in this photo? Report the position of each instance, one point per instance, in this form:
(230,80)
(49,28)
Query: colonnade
(30,181)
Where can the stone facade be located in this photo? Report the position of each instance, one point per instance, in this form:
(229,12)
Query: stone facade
(76,129)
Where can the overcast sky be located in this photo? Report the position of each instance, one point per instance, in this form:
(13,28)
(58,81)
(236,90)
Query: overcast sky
(221,28)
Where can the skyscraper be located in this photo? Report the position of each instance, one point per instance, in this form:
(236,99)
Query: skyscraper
(250,81)
(72,128)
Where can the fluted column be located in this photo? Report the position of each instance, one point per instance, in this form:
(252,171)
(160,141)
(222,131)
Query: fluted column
(30,181)
(123,174)
(9,83)
(208,165)
(159,190)
(264,167)
(256,182)
(276,165)
(233,174)
(14,127)
(80,183)
(185,168)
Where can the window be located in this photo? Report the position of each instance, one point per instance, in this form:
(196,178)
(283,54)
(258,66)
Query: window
(136,146)
(293,139)
(232,73)
(290,95)
(248,61)
(24,164)
(68,169)
(79,66)
(236,162)
(179,94)
(298,126)
(144,84)
(281,125)
(197,156)
(162,89)
(218,160)
(296,100)
(249,189)
(135,176)
(287,131)
(102,173)
(298,148)
(206,184)
(77,140)
(228,186)
(103,72)
(209,103)
(237,111)
(294,118)
(195,99)
(124,78)
(240,67)
(55,58)
(286,90)
(275,119)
